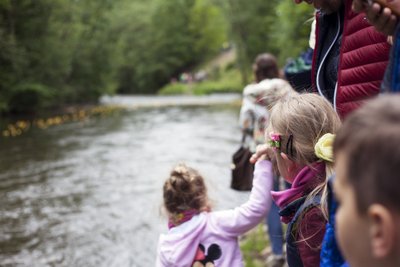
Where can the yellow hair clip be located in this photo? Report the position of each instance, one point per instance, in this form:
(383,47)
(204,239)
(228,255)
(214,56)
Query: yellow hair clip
(323,148)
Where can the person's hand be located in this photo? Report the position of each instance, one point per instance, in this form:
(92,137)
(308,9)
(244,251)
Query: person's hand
(382,18)
(359,6)
(262,152)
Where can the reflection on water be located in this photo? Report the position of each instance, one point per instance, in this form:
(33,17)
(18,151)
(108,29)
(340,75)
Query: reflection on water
(89,193)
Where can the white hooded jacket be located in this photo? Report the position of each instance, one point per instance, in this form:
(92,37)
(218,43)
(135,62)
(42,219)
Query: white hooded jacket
(212,237)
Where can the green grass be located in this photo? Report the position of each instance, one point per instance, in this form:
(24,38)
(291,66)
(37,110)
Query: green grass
(228,81)
(223,77)
(252,245)
(174,89)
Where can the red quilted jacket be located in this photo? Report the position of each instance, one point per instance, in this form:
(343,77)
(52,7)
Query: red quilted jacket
(363,57)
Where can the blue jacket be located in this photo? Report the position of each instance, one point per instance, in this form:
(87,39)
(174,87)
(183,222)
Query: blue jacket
(391,82)
(330,253)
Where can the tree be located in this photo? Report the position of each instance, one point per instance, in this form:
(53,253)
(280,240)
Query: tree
(67,51)
(209,29)
(250,28)
(291,35)
(166,38)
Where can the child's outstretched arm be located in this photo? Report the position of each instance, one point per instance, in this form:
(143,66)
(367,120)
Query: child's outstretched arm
(241,219)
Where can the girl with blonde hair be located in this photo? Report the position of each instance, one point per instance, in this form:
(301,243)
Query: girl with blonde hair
(198,236)
(300,133)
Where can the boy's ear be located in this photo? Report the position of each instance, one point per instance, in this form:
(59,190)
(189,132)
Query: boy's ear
(382,231)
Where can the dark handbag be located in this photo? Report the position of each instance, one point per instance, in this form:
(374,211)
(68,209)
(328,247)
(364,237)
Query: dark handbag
(242,169)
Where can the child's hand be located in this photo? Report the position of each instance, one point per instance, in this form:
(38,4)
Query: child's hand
(262,152)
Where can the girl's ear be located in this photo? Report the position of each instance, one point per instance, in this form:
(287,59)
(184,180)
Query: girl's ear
(382,231)
(289,163)
(290,167)
(284,156)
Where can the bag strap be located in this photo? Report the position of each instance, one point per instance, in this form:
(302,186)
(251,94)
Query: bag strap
(243,138)
(248,131)
(245,133)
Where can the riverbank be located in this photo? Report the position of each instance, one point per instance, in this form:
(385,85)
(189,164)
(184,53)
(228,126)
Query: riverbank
(220,75)
(13,126)
(253,245)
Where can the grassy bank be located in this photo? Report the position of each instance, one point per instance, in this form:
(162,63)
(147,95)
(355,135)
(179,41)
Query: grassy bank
(222,76)
(228,82)
(252,245)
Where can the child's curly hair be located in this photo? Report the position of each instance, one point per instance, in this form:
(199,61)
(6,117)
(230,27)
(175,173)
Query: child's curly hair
(185,190)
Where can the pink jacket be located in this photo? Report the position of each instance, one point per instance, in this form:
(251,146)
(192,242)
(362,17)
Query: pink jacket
(213,236)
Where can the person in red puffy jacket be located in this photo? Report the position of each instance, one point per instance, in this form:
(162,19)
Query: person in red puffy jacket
(350,55)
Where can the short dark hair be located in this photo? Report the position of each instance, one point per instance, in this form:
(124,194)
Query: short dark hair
(265,67)
(370,140)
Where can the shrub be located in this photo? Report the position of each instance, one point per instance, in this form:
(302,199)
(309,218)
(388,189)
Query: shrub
(28,97)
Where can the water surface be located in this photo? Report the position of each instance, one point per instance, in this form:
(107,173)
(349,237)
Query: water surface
(89,193)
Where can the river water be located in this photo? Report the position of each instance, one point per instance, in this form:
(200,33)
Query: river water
(89,193)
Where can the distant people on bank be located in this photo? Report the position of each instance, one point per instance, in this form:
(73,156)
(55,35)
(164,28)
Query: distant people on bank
(299,132)
(200,76)
(198,236)
(367,155)
(258,99)
(186,77)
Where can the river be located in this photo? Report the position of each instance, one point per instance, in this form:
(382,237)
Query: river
(88,193)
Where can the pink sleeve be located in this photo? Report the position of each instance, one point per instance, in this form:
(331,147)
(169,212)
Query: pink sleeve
(312,232)
(241,219)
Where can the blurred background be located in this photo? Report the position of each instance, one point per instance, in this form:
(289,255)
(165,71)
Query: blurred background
(100,98)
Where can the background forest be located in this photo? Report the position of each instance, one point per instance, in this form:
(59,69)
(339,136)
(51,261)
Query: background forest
(59,52)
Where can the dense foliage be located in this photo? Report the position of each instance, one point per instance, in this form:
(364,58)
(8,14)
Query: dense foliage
(55,52)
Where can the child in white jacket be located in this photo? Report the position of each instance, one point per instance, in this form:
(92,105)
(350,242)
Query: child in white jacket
(198,236)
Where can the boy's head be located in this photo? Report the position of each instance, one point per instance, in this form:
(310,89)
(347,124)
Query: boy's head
(367,184)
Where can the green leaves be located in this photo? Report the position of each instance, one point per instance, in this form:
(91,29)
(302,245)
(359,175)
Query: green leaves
(79,50)
(291,36)
(28,97)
